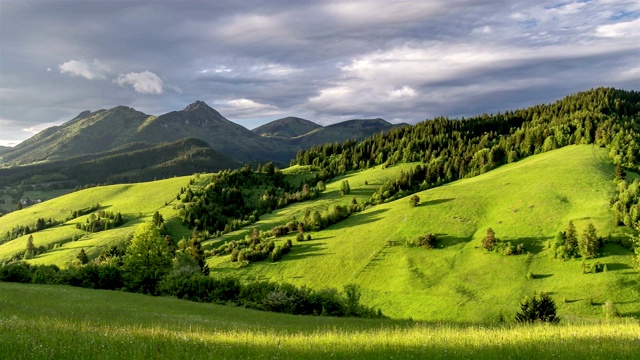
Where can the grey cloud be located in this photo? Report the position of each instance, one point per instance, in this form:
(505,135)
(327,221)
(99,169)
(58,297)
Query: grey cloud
(298,57)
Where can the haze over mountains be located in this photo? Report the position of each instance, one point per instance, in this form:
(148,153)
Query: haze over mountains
(122,144)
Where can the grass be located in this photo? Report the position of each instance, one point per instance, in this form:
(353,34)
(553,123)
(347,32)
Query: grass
(39,321)
(135,201)
(526,202)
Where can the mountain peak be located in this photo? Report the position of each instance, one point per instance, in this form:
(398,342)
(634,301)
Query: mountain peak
(197,105)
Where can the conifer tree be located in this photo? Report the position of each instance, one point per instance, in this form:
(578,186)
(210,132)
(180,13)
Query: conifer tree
(588,244)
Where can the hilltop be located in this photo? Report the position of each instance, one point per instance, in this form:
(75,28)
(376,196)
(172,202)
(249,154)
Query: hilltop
(287,128)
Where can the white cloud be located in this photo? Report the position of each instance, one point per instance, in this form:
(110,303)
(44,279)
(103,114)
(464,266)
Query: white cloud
(39,127)
(404,92)
(144,82)
(245,108)
(627,29)
(95,70)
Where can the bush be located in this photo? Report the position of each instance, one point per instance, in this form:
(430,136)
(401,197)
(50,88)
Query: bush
(428,241)
(17,272)
(538,308)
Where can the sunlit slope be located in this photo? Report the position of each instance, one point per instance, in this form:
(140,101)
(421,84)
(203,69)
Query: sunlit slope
(135,201)
(526,202)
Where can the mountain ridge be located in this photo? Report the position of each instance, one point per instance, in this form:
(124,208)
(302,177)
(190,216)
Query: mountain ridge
(92,132)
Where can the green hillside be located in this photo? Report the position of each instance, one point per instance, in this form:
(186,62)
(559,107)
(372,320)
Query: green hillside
(137,202)
(526,202)
(38,321)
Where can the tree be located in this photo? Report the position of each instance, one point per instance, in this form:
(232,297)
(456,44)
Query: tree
(619,173)
(414,200)
(158,220)
(30,251)
(489,241)
(146,260)
(571,240)
(588,244)
(538,308)
(82,257)
(345,188)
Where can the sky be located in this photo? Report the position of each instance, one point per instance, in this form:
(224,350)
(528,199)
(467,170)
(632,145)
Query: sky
(325,61)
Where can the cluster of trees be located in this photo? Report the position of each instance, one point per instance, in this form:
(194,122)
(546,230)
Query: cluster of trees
(77,213)
(22,230)
(626,203)
(453,149)
(567,244)
(223,206)
(491,243)
(105,220)
(253,248)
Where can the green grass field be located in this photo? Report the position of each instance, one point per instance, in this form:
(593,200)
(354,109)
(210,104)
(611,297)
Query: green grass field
(526,202)
(59,322)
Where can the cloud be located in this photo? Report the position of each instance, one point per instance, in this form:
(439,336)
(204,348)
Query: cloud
(39,127)
(627,29)
(144,82)
(95,70)
(403,92)
(246,108)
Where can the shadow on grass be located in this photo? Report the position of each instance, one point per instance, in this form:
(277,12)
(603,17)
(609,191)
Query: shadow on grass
(360,218)
(542,276)
(445,240)
(617,266)
(435,202)
(534,245)
(301,251)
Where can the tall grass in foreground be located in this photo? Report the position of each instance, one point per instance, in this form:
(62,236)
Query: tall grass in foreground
(73,339)
(57,322)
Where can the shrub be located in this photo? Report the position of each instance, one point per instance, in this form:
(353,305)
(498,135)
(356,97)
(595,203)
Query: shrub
(489,240)
(428,241)
(540,307)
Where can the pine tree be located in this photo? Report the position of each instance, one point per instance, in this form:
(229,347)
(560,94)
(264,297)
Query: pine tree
(31,248)
(82,257)
(571,240)
(588,244)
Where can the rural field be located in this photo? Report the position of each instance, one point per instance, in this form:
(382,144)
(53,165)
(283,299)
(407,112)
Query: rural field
(40,321)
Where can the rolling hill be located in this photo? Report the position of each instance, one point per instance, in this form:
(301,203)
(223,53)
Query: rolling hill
(524,202)
(287,128)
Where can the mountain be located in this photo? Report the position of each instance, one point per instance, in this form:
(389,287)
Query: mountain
(106,130)
(287,128)
(87,133)
(356,129)
(129,163)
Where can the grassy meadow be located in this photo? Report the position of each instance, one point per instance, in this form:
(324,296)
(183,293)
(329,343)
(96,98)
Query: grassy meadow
(525,202)
(39,321)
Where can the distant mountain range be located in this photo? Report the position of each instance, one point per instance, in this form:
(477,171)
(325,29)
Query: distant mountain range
(101,137)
